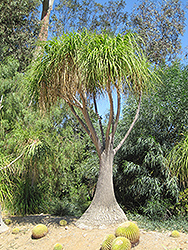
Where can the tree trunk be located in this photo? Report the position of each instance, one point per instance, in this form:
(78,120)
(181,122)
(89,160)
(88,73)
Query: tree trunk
(47,6)
(104,209)
(3,227)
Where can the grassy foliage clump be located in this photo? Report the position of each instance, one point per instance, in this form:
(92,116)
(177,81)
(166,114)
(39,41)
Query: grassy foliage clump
(179,223)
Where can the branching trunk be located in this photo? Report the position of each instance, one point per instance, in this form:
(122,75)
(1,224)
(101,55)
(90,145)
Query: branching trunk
(104,209)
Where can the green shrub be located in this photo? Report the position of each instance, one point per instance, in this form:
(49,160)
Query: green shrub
(157,209)
(141,174)
(181,207)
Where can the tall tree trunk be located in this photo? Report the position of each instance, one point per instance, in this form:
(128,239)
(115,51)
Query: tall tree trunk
(104,209)
(47,6)
(3,227)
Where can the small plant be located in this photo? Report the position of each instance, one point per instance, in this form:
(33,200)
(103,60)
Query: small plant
(175,234)
(39,231)
(8,221)
(107,242)
(15,230)
(63,223)
(129,230)
(58,246)
(121,243)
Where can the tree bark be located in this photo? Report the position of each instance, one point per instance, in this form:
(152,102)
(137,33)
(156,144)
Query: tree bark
(104,209)
(3,227)
(46,10)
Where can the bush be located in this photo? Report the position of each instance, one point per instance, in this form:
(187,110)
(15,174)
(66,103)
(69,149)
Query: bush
(181,207)
(143,177)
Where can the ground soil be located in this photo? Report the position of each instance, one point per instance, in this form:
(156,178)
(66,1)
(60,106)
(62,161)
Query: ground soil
(73,238)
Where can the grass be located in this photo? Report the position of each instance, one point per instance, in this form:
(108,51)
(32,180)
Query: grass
(173,223)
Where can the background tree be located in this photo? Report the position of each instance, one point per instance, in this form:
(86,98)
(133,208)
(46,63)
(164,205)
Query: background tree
(160,24)
(110,16)
(10,111)
(79,68)
(47,6)
(166,109)
(53,146)
(143,182)
(44,163)
(20,25)
(141,162)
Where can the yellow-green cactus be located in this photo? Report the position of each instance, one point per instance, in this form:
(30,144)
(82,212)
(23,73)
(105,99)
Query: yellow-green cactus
(107,242)
(58,246)
(130,231)
(15,230)
(39,231)
(175,234)
(63,223)
(121,243)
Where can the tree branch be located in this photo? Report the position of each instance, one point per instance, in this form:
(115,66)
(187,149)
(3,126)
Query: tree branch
(79,104)
(118,112)
(94,135)
(68,100)
(111,117)
(131,127)
(12,162)
(99,119)
(79,119)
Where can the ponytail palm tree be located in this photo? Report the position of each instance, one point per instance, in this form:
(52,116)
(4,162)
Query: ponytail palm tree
(81,68)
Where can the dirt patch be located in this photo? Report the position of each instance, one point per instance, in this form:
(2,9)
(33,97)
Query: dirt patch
(73,238)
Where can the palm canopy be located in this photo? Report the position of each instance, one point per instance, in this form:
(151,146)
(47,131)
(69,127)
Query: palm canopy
(90,63)
(79,67)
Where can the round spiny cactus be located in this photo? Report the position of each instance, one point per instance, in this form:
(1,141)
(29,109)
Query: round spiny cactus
(121,243)
(107,242)
(130,231)
(15,230)
(58,246)
(39,231)
(175,234)
(62,222)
